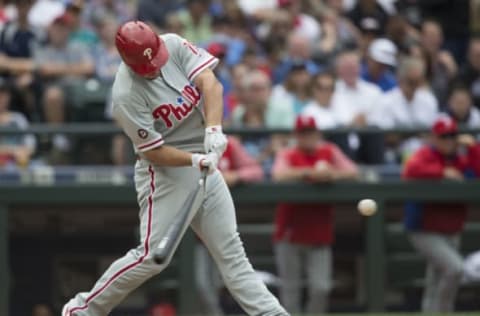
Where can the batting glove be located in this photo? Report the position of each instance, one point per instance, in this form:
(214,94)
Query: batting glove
(215,140)
(208,161)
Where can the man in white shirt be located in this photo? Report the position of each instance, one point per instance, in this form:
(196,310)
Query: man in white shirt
(354,99)
(353,104)
(412,103)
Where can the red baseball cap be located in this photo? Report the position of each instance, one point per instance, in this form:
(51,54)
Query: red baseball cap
(284,3)
(65,19)
(216,49)
(444,125)
(304,123)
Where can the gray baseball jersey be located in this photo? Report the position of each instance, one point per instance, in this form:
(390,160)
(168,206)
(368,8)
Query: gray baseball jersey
(168,109)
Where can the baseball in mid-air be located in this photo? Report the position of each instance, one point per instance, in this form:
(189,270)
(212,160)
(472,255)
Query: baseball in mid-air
(367,207)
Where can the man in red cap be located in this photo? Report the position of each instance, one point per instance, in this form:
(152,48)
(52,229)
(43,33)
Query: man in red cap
(434,229)
(169,103)
(304,231)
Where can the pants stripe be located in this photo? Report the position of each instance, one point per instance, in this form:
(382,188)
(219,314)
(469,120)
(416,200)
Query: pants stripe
(134,264)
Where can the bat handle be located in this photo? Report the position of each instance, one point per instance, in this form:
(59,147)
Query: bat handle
(203,177)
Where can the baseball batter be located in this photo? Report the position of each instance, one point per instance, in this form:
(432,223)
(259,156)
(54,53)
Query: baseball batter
(169,103)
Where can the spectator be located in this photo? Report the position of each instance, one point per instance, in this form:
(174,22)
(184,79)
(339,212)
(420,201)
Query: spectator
(354,99)
(354,104)
(18,40)
(434,229)
(441,66)
(79,34)
(411,104)
(121,10)
(15,150)
(275,37)
(196,22)
(236,95)
(299,49)
(256,87)
(369,16)
(44,12)
(237,166)
(289,98)
(338,34)
(323,87)
(59,65)
(106,57)
(224,33)
(382,56)
(105,53)
(304,232)
(401,33)
(5,12)
(460,108)
(454,17)
(470,72)
(155,12)
(305,25)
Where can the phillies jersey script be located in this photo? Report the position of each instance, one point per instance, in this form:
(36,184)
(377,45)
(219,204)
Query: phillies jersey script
(169,108)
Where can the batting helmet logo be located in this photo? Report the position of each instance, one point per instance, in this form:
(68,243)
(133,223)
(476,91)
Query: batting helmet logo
(148,52)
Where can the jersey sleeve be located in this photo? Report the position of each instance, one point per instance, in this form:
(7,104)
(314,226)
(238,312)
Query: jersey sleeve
(137,122)
(193,59)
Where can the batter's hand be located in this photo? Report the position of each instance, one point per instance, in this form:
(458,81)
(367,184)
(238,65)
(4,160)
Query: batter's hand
(208,161)
(215,140)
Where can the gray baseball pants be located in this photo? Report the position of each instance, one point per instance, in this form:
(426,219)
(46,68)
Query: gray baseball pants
(292,260)
(206,277)
(160,193)
(444,269)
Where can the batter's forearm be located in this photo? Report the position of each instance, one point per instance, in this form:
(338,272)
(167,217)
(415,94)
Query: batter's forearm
(212,91)
(168,156)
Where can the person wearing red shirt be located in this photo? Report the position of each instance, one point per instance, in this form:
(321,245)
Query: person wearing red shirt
(434,229)
(304,232)
(237,166)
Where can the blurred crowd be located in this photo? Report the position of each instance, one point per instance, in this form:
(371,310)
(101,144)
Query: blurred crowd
(382,64)
(304,65)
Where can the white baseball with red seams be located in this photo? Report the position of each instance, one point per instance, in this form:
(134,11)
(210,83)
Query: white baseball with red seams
(169,109)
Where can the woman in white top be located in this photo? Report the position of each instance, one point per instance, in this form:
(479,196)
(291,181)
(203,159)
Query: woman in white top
(289,98)
(323,86)
(460,108)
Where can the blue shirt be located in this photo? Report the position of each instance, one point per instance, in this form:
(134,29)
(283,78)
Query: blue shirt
(280,73)
(387,80)
(15,42)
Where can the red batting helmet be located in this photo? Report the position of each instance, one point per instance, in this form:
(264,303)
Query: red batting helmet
(140,47)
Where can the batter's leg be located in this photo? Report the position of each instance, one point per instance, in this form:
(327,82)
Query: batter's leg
(440,251)
(288,258)
(159,200)
(319,275)
(205,273)
(215,224)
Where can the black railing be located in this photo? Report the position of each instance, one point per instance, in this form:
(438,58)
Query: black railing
(110,128)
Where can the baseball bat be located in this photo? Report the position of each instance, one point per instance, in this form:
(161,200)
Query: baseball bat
(167,243)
